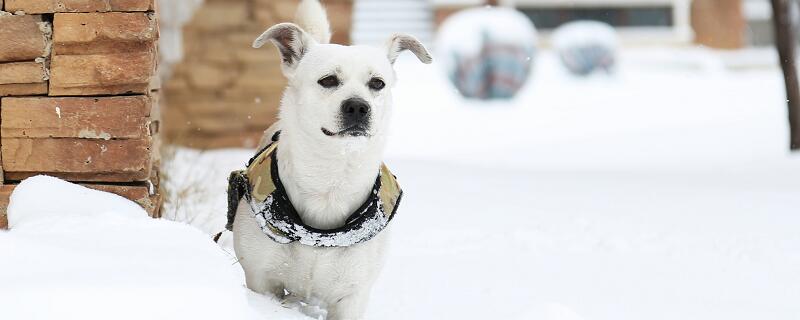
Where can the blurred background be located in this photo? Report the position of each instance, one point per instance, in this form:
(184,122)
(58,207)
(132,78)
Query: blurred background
(222,94)
(582,159)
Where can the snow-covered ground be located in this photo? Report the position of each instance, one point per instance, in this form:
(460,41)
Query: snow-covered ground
(77,253)
(665,191)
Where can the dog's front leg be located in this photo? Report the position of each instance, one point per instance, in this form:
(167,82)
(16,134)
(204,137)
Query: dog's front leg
(351,307)
(262,284)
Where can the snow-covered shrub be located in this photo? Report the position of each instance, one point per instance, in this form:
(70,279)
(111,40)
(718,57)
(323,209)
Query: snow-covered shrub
(586,46)
(487,52)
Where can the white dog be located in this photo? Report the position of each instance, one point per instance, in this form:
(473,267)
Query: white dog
(308,215)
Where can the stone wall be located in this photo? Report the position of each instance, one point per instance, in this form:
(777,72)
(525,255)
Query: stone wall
(78,95)
(224,93)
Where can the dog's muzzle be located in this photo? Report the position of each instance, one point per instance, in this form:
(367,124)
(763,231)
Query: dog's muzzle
(355,117)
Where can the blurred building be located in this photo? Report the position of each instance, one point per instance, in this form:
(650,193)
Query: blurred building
(375,20)
(714,23)
(758,14)
(219,91)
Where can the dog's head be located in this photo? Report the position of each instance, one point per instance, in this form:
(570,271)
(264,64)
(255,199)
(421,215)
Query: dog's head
(336,92)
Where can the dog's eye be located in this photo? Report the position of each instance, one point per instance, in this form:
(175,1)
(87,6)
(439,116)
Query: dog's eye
(329,82)
(376,84)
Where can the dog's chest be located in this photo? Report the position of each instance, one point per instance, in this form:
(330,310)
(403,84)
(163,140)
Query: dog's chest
(310,271)
(328,207)
(305,270)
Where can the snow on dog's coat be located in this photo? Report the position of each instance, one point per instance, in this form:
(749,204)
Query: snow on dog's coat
(334,118)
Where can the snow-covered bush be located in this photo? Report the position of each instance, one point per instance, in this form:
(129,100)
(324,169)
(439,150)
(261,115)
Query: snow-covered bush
(586,46)
(487,52)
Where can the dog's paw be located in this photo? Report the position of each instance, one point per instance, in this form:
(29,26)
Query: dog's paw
(312,308)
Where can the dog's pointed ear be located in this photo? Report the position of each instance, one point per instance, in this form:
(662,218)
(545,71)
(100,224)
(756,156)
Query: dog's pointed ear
(292,43)
(402,42)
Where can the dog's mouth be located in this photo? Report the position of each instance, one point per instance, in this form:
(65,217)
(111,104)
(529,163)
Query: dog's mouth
(354,131)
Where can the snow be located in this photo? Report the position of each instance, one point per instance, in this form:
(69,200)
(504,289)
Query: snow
(463,32)
(77,253)
(584,33)
(26,208)
(663,191)
(586,46)
(289,231)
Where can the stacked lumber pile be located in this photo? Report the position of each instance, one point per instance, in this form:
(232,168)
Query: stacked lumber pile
(78,96)
(225,93)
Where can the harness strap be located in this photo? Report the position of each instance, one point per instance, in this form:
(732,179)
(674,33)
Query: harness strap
(259,185)
(238,186)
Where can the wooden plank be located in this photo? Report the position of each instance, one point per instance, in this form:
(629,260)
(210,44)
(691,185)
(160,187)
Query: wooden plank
(76,117)
(78,159)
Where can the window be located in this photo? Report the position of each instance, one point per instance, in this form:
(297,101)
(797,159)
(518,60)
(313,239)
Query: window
(549,18)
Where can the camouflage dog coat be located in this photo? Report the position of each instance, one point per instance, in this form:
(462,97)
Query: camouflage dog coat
(260,186)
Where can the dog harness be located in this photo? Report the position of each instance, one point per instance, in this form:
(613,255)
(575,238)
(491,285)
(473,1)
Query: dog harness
(260,186)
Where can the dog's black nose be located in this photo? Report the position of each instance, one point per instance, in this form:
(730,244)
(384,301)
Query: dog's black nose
(355,112)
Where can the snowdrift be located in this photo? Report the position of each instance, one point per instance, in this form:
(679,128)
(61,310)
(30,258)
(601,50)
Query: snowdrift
(73,252)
